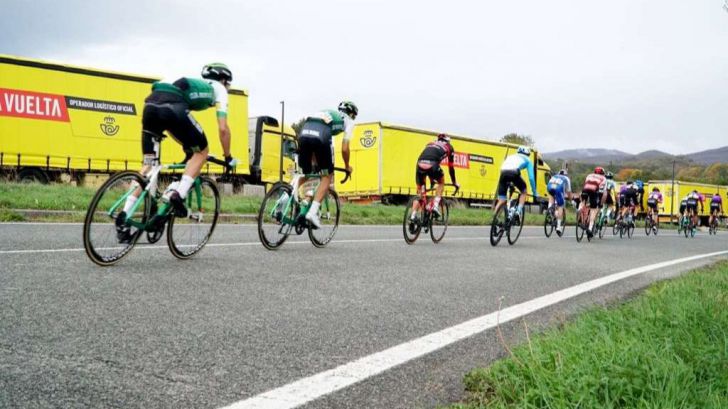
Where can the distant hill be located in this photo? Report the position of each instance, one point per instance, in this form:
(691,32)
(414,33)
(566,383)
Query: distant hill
(588,155)
(710,156)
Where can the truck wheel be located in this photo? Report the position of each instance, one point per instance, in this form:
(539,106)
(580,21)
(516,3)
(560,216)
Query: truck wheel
(32,175)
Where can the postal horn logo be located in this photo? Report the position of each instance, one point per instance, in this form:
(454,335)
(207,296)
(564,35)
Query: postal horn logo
(108,127)
(368,139)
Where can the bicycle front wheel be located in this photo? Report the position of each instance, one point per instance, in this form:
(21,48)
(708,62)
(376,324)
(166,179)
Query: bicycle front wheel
(276,216)
(516,226)
(104,245)
(412,228)
(498,226)
(438,224)
(186,236)
(648,225)
(329,213)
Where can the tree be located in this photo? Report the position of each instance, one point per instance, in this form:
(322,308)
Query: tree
(517,139)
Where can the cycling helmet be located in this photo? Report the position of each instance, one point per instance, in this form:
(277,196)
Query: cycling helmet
(599,170)
(443,137)
(610,175)
(349,108)
(217,71)
(563,172)
(629,182)
(655,189)
(524,150)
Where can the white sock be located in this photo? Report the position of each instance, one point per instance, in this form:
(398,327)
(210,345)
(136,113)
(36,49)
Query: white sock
(558,223)
(314,207)
(184,186)
(130,200)
(436,202)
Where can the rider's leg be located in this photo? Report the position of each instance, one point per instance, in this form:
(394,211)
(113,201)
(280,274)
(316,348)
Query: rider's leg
(192,170)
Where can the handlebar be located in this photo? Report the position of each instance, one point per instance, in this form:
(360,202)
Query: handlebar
(348,174)
(228,166)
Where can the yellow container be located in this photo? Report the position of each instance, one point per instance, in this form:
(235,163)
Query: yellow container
(384,157)
(62,117)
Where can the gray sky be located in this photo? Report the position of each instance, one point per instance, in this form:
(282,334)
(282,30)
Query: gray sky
(625,74)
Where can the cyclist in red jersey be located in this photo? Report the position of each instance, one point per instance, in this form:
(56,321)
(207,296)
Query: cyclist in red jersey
(428,165)
(593,184)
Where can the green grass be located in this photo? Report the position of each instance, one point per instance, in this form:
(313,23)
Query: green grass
(666,349)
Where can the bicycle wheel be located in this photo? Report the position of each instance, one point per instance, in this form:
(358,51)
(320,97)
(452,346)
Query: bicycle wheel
(648,225)
(498,226)
(276,216)
(602,228)
(548,226)
(580,226)
(329,213)
(186,236)
(411,228)
(99,227)
(438,225)
(516,226)
(685,230)
(630,230)
(615,228)
(563,222)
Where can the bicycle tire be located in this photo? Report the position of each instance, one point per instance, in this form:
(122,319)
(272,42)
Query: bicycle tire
(411,229)
(548,226)
(517,227)
(648,225)
(630,230)
(109,253)
(271,231)
(602,228)
(497,226)
(580,226)
(330,212)
(186,236)
(440,222)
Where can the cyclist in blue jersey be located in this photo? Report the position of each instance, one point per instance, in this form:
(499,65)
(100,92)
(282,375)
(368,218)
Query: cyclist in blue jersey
(559,187)
(511,173)
(640,192)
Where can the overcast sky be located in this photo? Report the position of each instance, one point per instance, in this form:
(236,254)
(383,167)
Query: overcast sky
(624,74)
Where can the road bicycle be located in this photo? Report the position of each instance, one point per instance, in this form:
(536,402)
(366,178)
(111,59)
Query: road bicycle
(713,227)
(652,223)
(688,227)
(582,222)
(507,220)
(550,221)
(186,236)
(425,218)
(601,222)
(625,224)
(283,212)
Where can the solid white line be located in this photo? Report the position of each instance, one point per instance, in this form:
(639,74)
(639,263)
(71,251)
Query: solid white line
(307,389)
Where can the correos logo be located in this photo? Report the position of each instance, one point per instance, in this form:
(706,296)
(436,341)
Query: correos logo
(108,127)
(368,139)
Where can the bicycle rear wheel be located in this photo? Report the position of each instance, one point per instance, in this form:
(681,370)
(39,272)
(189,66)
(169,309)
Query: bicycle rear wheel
(100,238)
(602,228)
(516,226)
(548,226)
(498,226)
(329,213)
(412,228)
(580,225)
(276,216)
(186,236)
(438,225)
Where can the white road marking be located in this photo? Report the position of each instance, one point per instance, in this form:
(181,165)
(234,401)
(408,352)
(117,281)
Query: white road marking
(307,389)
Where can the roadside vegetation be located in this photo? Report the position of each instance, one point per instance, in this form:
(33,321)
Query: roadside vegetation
(60,197)
(668,348)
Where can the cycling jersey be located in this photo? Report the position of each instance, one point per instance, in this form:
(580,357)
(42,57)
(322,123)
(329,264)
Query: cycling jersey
(316,138)
(594,182)
(511,173)
(716,199)
(335,120)
(199,94)
(692,201)
(653,199)
(557,186)
(428,164)
(628,195)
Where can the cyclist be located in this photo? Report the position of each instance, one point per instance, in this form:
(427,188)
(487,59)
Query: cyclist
(558,187)
(654,199)
(610,187)
(511,173)
(593,184)
(428,166)
(630,199)
(168,108)
(716,206)
(693,198)
(683,208)
(316,147)
(640,192)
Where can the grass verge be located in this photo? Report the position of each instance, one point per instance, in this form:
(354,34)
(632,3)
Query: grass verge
(668,348)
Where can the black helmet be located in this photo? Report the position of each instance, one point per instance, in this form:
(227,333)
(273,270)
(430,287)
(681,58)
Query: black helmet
(443,137)
(349,108)
(562,172)
(610,175)
(217,71)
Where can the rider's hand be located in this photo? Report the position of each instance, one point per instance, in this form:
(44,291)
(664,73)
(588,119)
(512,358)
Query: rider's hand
(229,161)
(349,169)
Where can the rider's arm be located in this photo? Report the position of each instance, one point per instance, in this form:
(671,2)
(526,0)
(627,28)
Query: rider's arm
(221,108)
(345,151)
(532,178)
(224,132)
(451,165)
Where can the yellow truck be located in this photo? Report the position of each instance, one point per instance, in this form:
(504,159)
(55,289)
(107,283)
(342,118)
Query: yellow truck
(58,120)
(384,157)
(265,150)
(671,201)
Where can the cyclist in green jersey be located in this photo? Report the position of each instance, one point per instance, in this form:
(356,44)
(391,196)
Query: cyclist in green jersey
(316,146)
(168,108)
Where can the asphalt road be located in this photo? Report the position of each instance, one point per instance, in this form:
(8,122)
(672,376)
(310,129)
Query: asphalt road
(238,320)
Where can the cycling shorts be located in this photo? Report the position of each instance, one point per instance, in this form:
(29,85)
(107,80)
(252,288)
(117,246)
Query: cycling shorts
(431,169)
(507,177)
(314,144)
(557,191)
(714,207)
(683,207)
(592,196)
(168,112)
(630,199)
(692,204)
(652,203)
